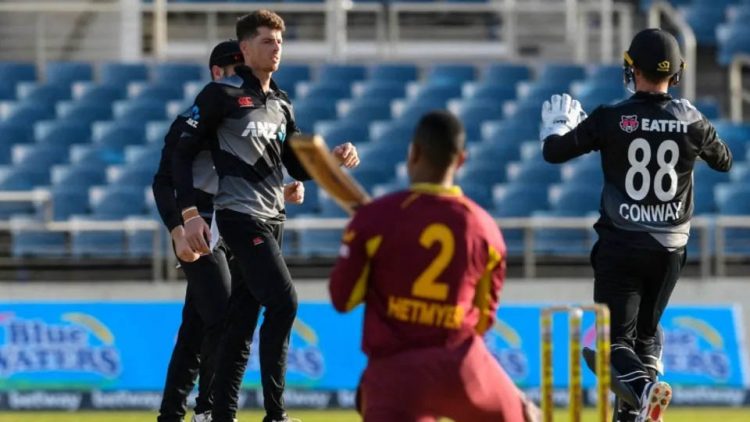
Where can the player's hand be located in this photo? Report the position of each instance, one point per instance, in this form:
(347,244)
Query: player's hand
(181,248)
(347,155)
(560,115)
(294,192)
(198,235)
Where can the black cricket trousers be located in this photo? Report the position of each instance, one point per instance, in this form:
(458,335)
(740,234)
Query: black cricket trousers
(636,284)
(256,247)
(203,318)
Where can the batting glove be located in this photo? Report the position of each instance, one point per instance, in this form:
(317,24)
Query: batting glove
(560,115)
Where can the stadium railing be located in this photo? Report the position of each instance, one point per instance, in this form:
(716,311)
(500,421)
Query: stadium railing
(661,9)
(738,95)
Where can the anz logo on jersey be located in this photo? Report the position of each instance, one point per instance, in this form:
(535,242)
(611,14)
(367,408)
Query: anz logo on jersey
(267,130)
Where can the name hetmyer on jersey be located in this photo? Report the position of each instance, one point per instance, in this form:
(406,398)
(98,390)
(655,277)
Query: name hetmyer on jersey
(658,213)
(663,125)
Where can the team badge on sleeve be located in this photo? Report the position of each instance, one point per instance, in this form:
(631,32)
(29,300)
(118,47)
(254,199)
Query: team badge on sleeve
(629,123)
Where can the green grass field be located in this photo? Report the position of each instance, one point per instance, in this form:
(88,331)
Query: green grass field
(672,415)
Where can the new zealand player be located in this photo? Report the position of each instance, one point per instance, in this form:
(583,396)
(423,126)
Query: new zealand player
(251,119)
(430,286)
(208,276)
(649,145)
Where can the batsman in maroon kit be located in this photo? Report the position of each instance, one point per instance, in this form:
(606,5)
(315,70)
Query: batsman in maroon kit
(428,264)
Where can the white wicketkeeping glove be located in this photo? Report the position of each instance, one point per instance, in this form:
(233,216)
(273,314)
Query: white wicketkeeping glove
(560,115)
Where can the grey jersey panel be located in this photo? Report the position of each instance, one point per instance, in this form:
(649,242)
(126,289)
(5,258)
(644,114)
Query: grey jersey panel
(204,174)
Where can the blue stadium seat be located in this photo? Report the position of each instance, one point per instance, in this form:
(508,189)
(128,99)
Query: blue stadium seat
(734,39)
(319,243)
(28,113)
(95,155)
(576,199)
(510,130)
(62,73)
(38,155)
(143,156)
(338,132)
(328,90)
(492,92)
(475,112)
(116,202)
(28,242)
(740,171)
(562,242)
(117,134)
(540,92)
(591,96)
(157,130)
(532,172)
(480,192)
(384,90)
(67,201)
(704,19)
(703,199)
(161,92)
(13,72)
(121,74)
(177,73)
(289,75)
(478,172)
(103,94)
(561,73)
(413,110)
(307,112)
(365,112)
(382,189)
(135,176)
(61,132)
(328,207)
(575,174)
(83,112)
(342,73)
(392,132)
(78,176)
(394,72)
(140,243)
(606,75)
(704,175)
(735,135)
(368,175)
(96,244)
(454,74)
(384,153)
(14,133)
(506,74)
(514,200)
(493,154)
(31,91)
(23,177)
(438,91)
(139,110)
(7,90)
(709,107)
(734,199)
(519,200)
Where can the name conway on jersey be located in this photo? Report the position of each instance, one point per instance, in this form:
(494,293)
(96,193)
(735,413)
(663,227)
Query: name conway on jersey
(648,144)
(248,147)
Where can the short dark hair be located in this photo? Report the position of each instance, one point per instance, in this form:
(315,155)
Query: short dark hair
(247,26)
(441,136)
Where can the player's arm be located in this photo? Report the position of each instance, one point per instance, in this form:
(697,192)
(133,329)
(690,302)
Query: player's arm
(288,157)
(199,125)
(487,296)
(350,276)
(163,190)
(566,131)
(714,151)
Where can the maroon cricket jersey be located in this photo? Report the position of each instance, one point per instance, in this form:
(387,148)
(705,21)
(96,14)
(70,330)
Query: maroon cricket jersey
(427,263)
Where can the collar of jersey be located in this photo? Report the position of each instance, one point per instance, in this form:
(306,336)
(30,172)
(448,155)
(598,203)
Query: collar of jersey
(435,189)
(247,75)
(652,95)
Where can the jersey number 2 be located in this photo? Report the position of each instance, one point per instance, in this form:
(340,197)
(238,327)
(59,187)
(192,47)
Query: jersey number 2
(427,286)
(666,168)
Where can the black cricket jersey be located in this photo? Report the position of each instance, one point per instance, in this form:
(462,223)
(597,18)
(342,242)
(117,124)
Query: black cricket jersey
(247,132)
(649,145)
(205,180)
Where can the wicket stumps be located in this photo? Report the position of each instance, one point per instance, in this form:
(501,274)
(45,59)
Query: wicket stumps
(575,316)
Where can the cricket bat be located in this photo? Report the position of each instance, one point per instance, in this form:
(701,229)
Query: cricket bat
(316,158)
